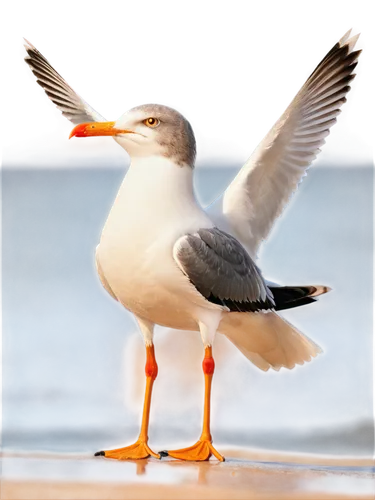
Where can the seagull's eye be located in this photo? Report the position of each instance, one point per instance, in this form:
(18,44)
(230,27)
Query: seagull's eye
(151,122)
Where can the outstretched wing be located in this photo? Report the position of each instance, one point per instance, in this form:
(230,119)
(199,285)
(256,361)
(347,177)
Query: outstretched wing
(68,102)
(266,182)
(222,271)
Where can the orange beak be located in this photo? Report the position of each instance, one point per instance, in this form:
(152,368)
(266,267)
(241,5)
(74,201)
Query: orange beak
(96,128)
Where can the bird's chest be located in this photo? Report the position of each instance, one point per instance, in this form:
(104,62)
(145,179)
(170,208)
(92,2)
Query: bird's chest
(136,256)
(132,231)
(141,271)
(136,250)
(131,270)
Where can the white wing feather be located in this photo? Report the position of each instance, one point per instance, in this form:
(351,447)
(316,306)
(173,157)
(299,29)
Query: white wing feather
(264,185)
(72,106)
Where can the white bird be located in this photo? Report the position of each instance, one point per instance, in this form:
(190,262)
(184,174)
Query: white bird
(171,263)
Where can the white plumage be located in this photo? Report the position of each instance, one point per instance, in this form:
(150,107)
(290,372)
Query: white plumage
(156,206)
(263,187)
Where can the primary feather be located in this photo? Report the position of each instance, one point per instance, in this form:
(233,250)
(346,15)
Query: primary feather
(266,182)
(72,106)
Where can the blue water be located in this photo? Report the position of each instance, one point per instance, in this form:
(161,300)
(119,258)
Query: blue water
(73,361)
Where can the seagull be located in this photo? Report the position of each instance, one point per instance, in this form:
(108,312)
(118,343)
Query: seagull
(173,263)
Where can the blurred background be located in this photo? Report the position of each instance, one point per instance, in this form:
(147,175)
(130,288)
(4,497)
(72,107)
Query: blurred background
(73,361)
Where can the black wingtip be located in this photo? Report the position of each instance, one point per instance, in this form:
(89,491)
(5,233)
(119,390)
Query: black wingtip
(100,454)
(163,454)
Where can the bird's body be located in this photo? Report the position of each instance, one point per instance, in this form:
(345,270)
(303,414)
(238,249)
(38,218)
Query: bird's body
(154,207)
(171,263)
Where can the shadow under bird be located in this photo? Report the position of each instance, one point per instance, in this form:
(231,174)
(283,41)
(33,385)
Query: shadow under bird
(172,263)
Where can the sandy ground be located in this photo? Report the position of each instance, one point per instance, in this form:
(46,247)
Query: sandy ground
(246,474)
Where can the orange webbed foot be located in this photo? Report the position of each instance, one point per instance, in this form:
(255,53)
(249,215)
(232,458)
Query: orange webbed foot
(201,451)
(136,451)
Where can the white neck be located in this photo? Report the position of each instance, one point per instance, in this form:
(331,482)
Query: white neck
(156,178)
(153,191)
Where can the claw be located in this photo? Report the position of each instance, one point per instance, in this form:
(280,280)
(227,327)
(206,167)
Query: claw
(202,450)
(136,451)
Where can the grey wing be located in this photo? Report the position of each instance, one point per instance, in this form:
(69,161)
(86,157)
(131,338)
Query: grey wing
(69,104)
(222,271)
(264,185)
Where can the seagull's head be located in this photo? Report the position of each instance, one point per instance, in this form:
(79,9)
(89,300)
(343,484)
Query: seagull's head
(148,130)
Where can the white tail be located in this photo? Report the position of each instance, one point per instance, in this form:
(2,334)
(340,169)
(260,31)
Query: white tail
(267,340)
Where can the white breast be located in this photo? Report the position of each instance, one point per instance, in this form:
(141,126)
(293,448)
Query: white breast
(154,207)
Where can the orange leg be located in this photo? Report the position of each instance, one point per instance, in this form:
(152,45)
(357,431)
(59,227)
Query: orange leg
(203,448)
(140,448)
